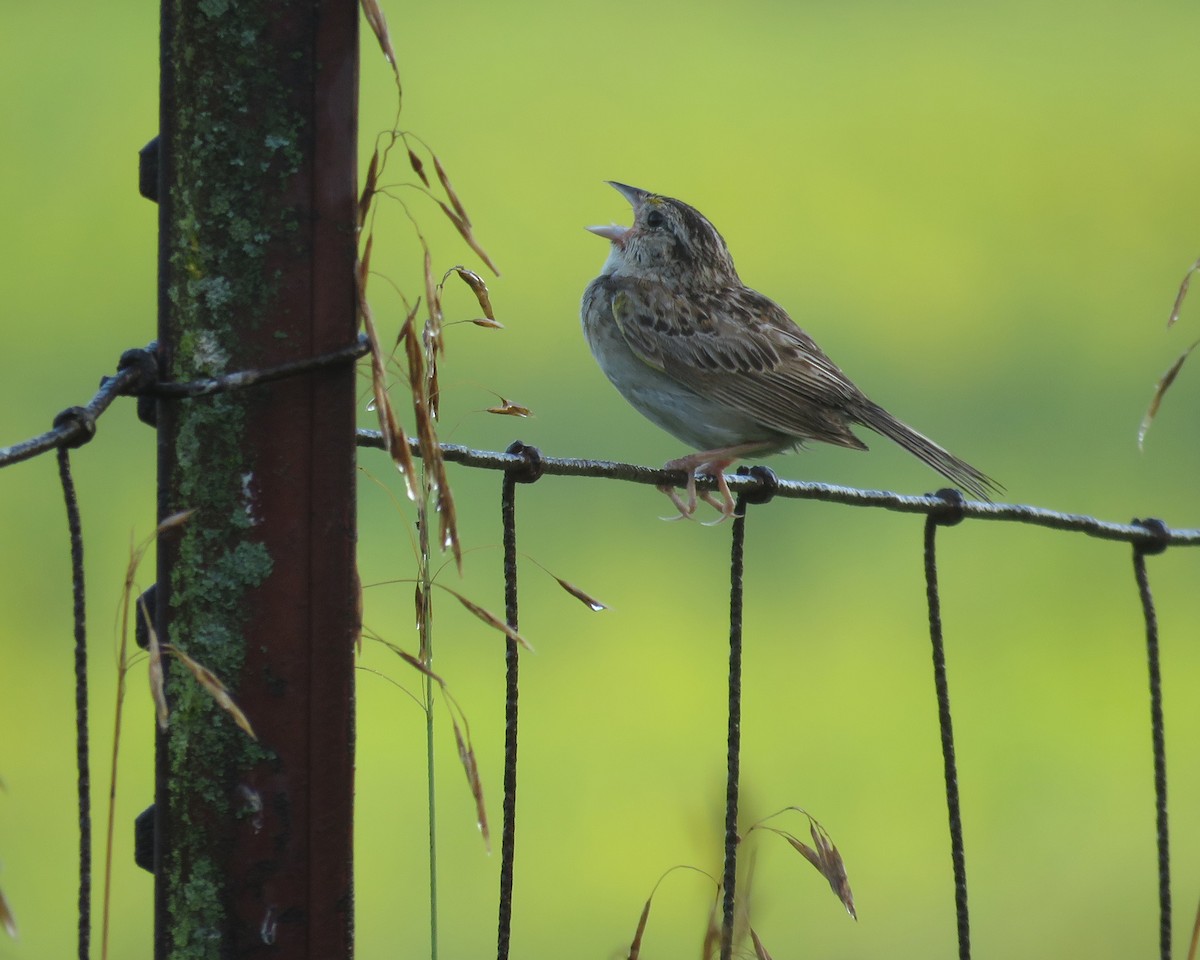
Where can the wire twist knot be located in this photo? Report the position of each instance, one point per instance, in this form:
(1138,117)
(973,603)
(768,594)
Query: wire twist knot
(953,507)
(530,471)
(1160,536)
(768,484)
(83,422)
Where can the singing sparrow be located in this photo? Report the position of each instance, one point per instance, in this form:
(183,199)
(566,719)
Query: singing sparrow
(718,365)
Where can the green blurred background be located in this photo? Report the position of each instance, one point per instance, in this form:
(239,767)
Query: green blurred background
(981,212)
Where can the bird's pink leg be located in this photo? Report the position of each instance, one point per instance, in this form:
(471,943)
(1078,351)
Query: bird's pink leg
(713,462)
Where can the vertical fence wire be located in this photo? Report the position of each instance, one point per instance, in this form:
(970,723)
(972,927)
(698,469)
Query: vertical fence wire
(528,471)
(734,743)
(1158,738)
(509,828)
(75,529)
(946,727)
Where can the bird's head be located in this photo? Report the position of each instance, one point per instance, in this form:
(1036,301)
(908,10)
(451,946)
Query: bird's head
(669,242)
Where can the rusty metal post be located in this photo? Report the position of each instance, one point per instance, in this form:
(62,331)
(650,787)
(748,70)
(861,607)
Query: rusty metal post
(256,183)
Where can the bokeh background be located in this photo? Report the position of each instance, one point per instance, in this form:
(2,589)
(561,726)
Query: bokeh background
(982,212)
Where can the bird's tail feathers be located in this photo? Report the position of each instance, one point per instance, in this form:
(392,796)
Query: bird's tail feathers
(958,471)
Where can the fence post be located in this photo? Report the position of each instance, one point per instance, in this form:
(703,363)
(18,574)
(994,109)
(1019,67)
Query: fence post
(256,188)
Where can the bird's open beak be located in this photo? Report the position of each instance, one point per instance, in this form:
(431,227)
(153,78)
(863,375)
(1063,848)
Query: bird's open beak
(635,196)
(614,232)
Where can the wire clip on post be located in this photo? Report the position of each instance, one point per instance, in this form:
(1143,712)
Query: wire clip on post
(143,839)
(145,364)
(148,158)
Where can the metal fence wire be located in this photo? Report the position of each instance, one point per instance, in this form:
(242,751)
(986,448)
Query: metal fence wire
(521,464)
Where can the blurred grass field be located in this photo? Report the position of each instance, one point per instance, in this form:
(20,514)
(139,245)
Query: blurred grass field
(981,213)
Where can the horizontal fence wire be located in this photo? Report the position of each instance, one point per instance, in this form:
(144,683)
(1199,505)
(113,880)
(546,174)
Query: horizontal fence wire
(1148,534)
(137,376)
(75,425)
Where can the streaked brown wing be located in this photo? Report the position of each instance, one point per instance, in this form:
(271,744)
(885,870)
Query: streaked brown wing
(741,348)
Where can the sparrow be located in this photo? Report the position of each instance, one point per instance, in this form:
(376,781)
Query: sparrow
(717,365)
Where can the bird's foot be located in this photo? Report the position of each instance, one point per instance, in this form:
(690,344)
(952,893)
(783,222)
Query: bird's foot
(686,508)
(701,463)
(726,506)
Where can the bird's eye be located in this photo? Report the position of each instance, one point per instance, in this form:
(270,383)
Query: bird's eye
(655,219)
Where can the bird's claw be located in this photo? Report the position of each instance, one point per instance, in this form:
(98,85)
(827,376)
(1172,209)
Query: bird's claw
(726,506)
(687,510)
